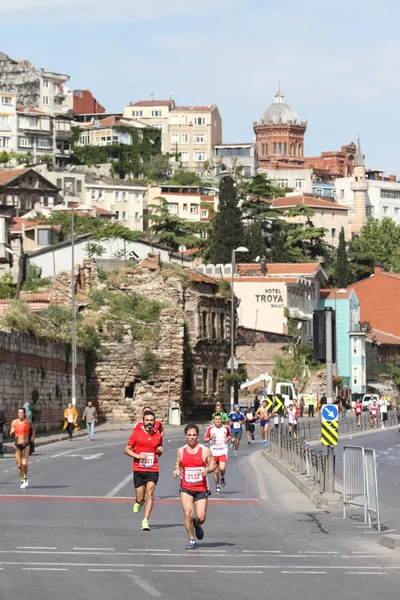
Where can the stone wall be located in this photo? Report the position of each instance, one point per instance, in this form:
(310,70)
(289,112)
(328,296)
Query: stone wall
(20,78)
(38,371)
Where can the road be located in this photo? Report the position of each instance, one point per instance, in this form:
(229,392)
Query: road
(72,534)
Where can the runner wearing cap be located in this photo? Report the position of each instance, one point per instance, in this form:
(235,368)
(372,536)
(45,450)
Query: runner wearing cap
(236,420)
(292,418)
(158,426)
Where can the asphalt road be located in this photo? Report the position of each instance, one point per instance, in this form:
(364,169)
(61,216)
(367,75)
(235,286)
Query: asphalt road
(72,534)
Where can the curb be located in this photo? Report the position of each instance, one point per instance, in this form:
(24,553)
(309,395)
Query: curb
(320,499)
(390,541)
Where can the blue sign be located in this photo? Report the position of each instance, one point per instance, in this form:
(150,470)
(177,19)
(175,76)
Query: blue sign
(329,412)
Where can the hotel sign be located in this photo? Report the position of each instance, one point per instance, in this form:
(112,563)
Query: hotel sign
(271,296)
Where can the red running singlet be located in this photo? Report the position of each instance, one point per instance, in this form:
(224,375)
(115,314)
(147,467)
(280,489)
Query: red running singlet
(192,465)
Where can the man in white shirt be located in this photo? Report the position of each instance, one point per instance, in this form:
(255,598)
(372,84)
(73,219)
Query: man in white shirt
(292,418)
(218,435)
(383,410)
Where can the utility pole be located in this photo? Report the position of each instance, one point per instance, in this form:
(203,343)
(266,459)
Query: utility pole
(330,461)
(73,310)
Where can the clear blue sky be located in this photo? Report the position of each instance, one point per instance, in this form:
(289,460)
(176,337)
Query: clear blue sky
(337,60)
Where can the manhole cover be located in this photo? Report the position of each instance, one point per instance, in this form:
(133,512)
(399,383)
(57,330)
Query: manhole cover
(357,517)
(383,527)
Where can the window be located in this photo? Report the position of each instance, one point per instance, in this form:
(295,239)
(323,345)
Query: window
(184,156)
(200,156)
(156,113)
(341,194)
(46,83)
(215,381)
(100,196)
(44,237)
(188,380)
(59,183)
(355,346)
(175,138)
(193,209)
(204,323)
(137,113)
(185,138)
(136,216)
(204,214)
(184,120)
(355,375)
(137,196)
(159,126)
(200,138)
(319,192)
(117,196)
(369,210)
(222,325)
(125,196)
(4,119)
(6,100)
(285,148)
(246,172)
(333,232)
(140,136)
(390,194)
(300,183)
(4,142)
(46,100)
(385,210)
(185,207)
(94,194)
(43,143)
(79,187)
(283,183)
(213,325)
(396,210)
(50,201)
(205,380)
(25,142)
(173,209)
(199,120)
(174,119)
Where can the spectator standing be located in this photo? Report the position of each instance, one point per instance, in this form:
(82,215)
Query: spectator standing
(383,411)
(311,405)
(3,421)
(90,416)
(301,407)
(398,416)
(70,419)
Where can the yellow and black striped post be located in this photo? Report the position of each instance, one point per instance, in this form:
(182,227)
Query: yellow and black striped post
(329,433)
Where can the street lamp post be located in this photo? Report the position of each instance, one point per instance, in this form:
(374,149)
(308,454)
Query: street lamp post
(232,361)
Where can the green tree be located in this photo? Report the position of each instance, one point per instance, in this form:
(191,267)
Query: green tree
(227,225)
(7,286)
(34,281)
(158,169)
(254,241)
(182,177)
(171,230)
(342,276)
(378,242)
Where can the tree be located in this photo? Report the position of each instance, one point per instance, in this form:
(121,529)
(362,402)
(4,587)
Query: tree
(227,225)
(158,169)
(7,286)
(185,178)
(169,229)
(254,241)
(342,276)
(378,242)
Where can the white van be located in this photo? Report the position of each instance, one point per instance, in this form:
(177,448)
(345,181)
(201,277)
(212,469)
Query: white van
(367,398)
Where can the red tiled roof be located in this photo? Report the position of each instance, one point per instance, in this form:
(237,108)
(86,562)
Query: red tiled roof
(290,201)
(103,211)
(29,109)
(199,278)
(335,294)
(153,103)
(381,337)
(278,268)
(7,176)
(262,279)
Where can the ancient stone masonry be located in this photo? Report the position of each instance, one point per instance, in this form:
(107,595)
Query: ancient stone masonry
(20,77)
(39,372)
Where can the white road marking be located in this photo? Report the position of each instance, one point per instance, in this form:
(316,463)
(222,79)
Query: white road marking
(41,569)
(105,549)
(259,477)
(36,548)
(206,566)
(366,573)
(110,570)
(91,457)
(174,571)
(363,556)
(262,551)
(148,550)
(147,587)
(210,551)
(72,450)
(119,487)
(304,572)
(316,552)
(247,572)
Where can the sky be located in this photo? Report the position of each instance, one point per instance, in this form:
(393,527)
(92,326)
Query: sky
(337,61)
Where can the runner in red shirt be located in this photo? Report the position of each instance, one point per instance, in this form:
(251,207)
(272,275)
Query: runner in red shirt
(145,446)
(195,461)
(158,426)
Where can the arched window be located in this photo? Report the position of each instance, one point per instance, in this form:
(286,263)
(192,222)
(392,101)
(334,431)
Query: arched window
(222,326)
(266,149)
(204,324)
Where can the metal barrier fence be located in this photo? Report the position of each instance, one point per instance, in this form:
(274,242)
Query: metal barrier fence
(360,485)
(299,456)
(310,428)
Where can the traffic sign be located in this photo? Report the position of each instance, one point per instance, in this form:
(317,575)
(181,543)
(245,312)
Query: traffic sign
(235,363)
(329,412)
(270,401)
(279,405)
(329,433)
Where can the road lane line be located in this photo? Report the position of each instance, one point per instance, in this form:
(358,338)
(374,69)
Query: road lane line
(366,573)
(96,549)
(312,552)
(120,499)
(247,572)
(110,570)
(147,587)
(36,548)
(119,487)
(92,447)
(174,571)
(42,569)
(262,551)
(304,572)
(198,566)
(148,550)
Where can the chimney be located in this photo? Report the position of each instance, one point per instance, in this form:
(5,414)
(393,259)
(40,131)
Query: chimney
(392,177)
(263,266)
(378,269)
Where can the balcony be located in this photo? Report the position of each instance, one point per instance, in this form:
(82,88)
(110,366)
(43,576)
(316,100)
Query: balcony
(5,127)
(360,327)
(34,131)
(62,134)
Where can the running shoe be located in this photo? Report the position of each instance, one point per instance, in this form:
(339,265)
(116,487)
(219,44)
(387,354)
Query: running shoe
(217,490)
(137,507)
(145,525)
(222,481)
(26,482)
(191,545)
(235,453)
(198,530)
(248,442)
(265,443)
(22,486)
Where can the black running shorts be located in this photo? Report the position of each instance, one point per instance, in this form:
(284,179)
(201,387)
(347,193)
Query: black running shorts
(140,478)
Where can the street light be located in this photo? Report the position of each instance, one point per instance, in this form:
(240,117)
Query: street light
(232,361)
(63,207)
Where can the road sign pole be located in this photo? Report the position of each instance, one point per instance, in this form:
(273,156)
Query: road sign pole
(330,462)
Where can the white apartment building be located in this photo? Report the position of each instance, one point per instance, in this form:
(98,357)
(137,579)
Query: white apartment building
(189,133)
(8,122)
(300,180)
(230,156)
(125,199)
(189,202)
(382,197)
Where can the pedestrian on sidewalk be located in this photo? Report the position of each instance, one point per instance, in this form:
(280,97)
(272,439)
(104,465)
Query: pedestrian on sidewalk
(311,405)
(70,420)
(3,421)
(90,416)
(398,415)
(383,411)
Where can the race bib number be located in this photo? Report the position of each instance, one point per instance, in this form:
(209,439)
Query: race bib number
(193,474)
(147,461)
(236,425)
(218,444)
(249,416)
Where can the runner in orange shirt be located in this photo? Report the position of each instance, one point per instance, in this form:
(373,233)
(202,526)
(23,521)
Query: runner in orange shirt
(20,430)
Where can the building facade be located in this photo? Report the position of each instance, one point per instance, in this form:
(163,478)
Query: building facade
(350,337)
(333,164)
(33,87)
(22,188)
(231,158)
(194,203)
(189,133)
(82,102)
(327,214)
(300,180)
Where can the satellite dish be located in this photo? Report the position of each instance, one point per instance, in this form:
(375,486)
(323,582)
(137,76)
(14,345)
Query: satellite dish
(182,248)
(299,325)
(258,259)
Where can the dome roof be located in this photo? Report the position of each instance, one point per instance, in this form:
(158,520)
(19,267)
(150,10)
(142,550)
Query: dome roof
(279,111)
